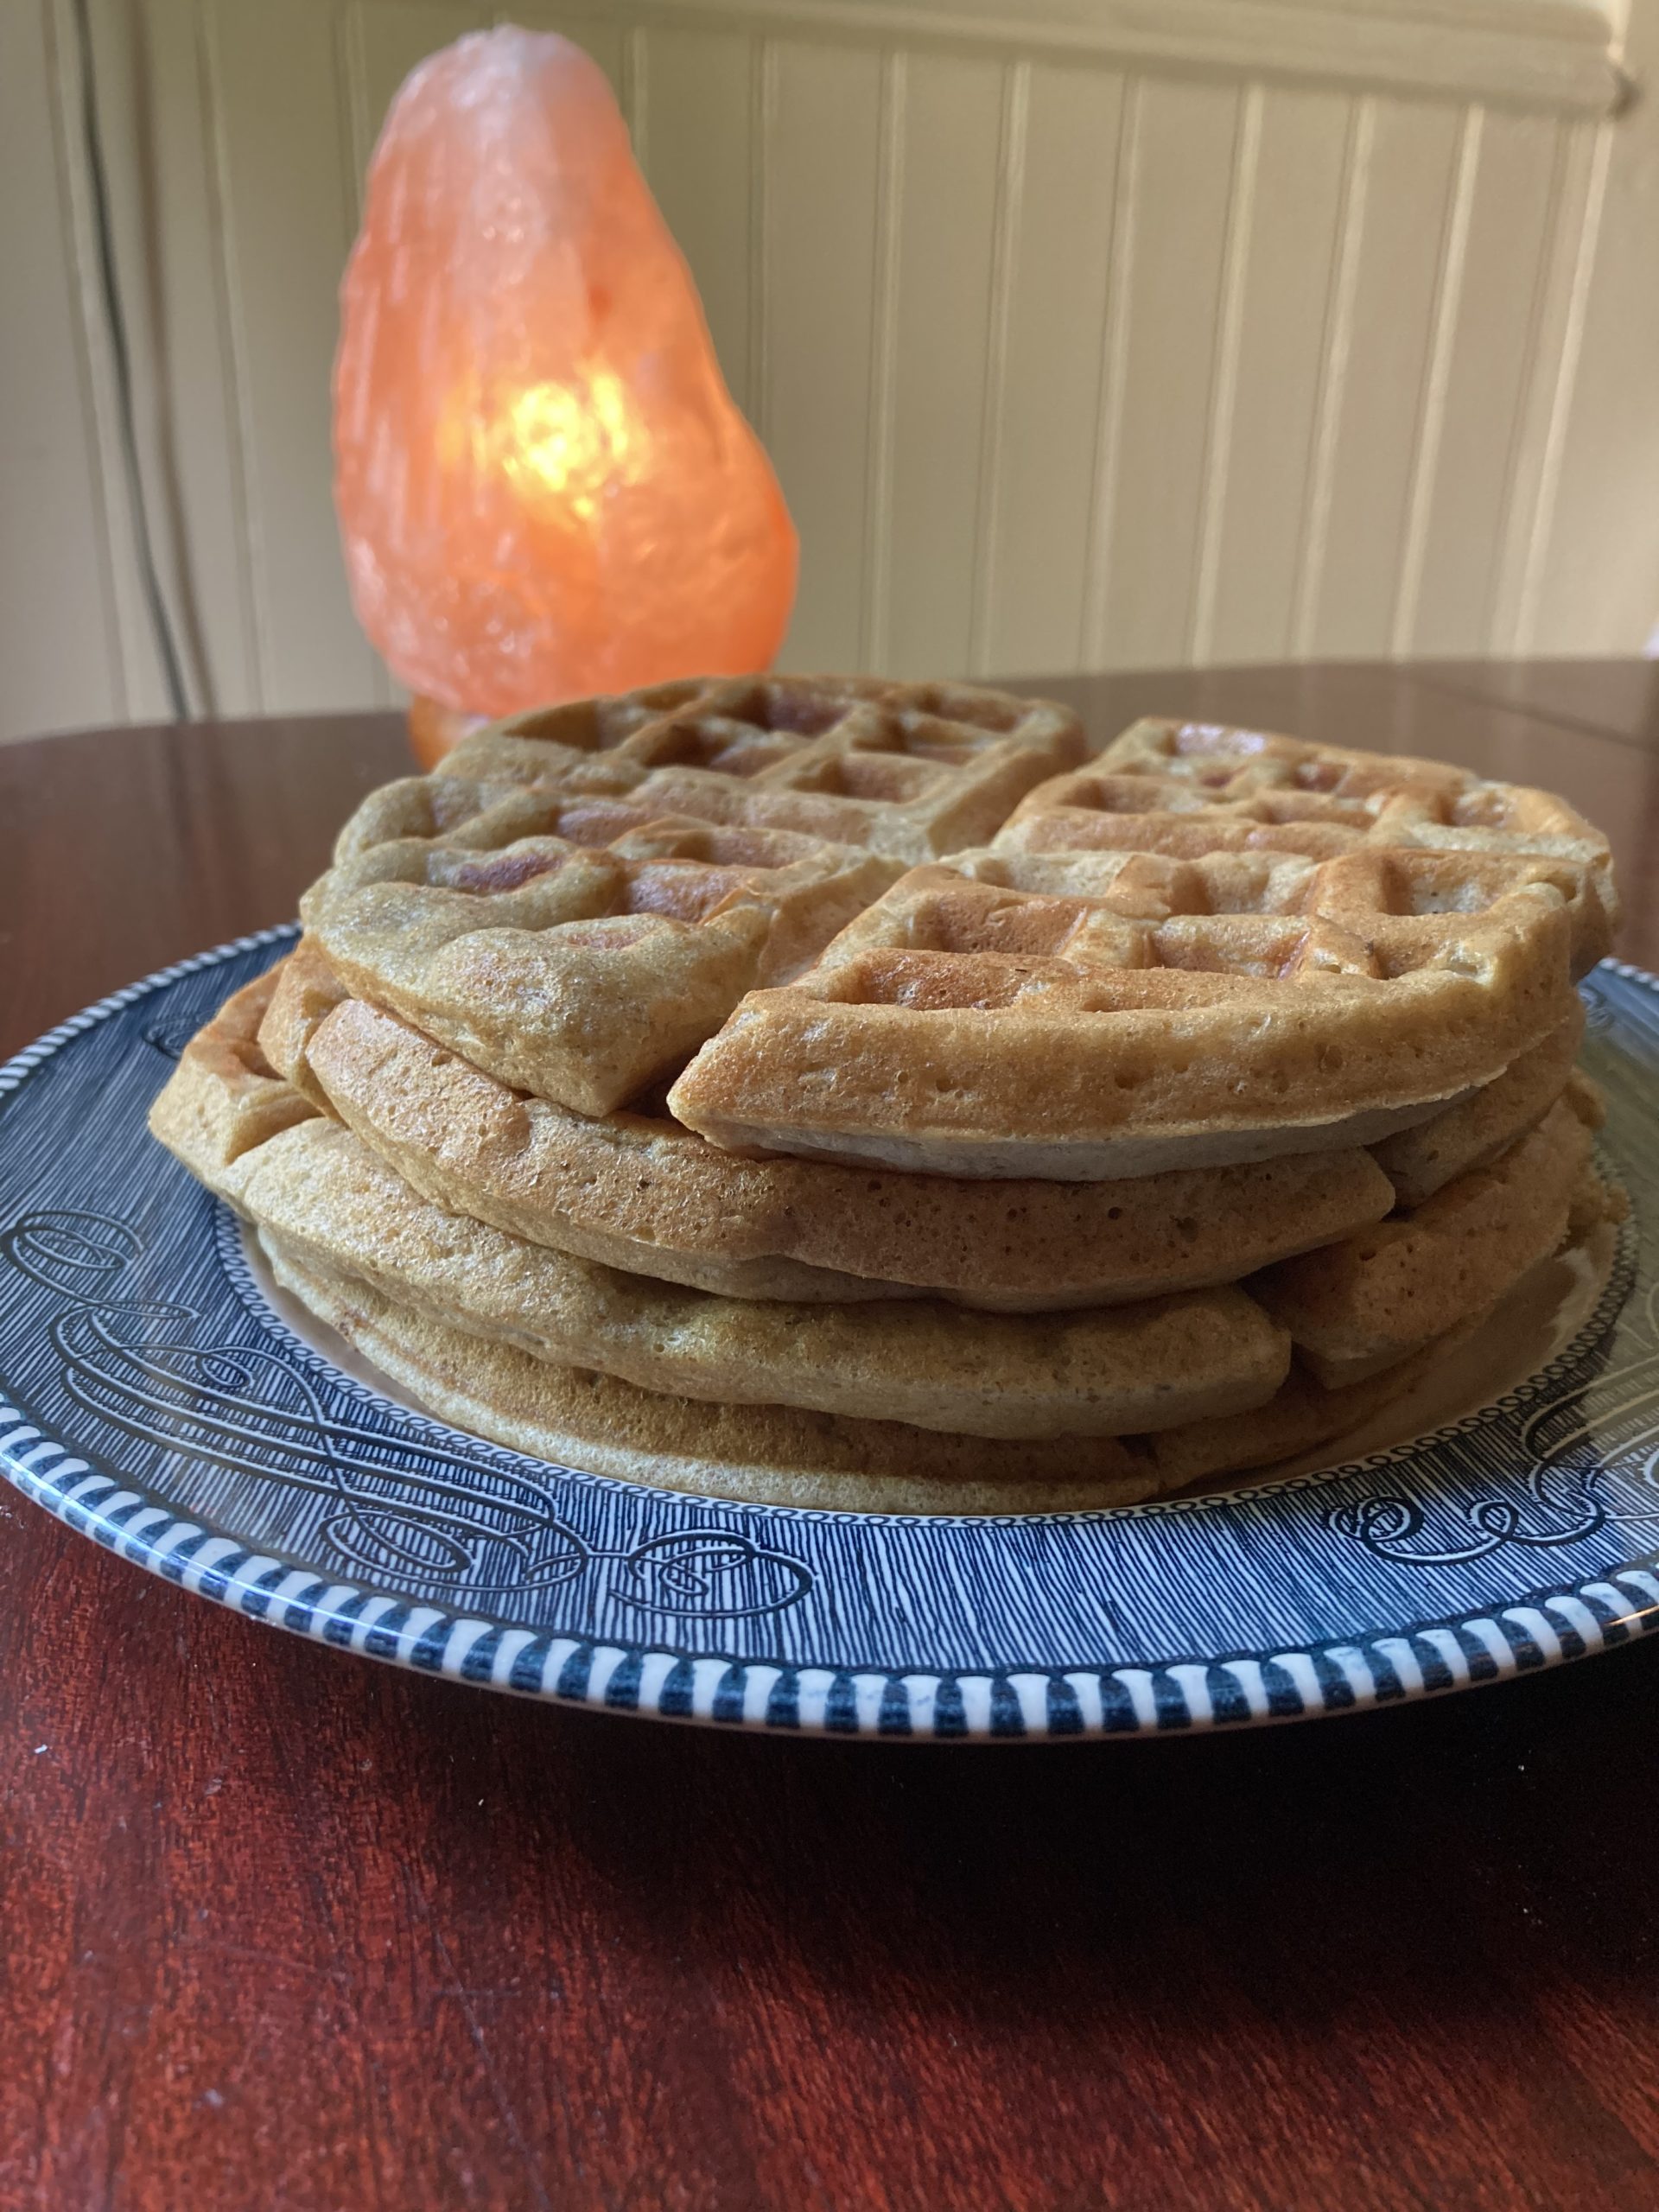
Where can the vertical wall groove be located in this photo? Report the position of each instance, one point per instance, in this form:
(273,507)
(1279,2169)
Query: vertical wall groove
(762,109)
(884,342)
(1010,188)
(357,133)
(233,346)
(1333,371)
(1114,354)
(88,348)
(1497,634)
(1544,514)
(1223,388)
(1431,413)
(636,92)
(351,77)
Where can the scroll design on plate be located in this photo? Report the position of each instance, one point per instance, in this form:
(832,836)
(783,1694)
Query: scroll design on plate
(396,1505)
(1390,1525)
(1561,1454)
(169,1037)
(1621,1001)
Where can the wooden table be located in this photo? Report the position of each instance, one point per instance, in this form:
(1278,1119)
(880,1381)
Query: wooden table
(284,1929)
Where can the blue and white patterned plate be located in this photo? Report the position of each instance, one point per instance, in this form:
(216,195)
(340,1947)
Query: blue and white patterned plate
(152,1397)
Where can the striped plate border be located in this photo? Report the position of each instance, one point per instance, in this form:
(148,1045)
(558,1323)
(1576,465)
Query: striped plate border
(1553,1626)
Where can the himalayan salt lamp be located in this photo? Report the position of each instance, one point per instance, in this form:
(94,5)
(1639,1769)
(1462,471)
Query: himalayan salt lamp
(543,486)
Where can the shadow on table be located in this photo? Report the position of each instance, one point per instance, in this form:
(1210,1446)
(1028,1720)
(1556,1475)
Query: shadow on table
(1317,1866)
(1388,1963)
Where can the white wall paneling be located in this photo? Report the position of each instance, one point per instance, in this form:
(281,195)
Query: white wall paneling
(1055,364)
(1081,334)
(61,657)
(1589,587)
(1179,176)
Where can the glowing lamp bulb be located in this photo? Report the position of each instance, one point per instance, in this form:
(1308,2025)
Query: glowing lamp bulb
(544,487)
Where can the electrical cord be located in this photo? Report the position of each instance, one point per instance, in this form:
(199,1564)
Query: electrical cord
(161,624)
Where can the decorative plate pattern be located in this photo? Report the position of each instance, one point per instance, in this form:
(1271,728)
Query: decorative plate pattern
(152,1398)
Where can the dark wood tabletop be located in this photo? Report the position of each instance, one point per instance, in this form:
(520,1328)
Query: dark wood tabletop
(285,1929)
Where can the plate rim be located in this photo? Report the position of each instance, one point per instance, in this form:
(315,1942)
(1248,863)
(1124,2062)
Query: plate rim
(1549,1626)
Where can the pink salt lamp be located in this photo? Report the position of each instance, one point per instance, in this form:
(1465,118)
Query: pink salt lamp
(544,487)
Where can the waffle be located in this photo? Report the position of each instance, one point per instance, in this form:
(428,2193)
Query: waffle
(770,1455)
(639,1192)
(1186,789)
(231,1099)
(318,1191)
(1092,1015)
(1353,1308)
(909,770)
(1333,945)
(577,972)
(834,1092)
(294,999)
(578,899)
(1364,1302)
(1420,1161)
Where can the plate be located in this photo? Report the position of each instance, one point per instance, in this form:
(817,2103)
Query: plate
(155,1396)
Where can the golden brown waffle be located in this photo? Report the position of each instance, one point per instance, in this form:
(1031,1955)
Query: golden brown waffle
(1420,1161)
(1132,1045)
(1367,1301)
(1192,788)
(578,920)
(637,1191)
(1371,1300)
(774,1456)
(906,769)
(1106,1370)
(1094,1014)
(582,972)
(235,1100)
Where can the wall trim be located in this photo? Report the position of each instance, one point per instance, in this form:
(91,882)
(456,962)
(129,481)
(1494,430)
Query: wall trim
(1560,56)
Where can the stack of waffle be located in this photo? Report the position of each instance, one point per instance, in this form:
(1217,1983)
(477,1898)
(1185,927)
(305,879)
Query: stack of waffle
(840,1092)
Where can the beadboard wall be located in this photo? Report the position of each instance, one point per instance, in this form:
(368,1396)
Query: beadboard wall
(1076,345)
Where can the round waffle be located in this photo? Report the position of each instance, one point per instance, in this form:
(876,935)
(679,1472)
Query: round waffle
(1186,789)
(1212,946)
(578,899)
(319,1191)
(771,1455)
(1363,1302)
(639,1192)
(834,1091)
(1100,1015)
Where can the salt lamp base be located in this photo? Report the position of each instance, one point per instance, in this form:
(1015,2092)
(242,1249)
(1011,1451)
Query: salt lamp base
(434,729)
